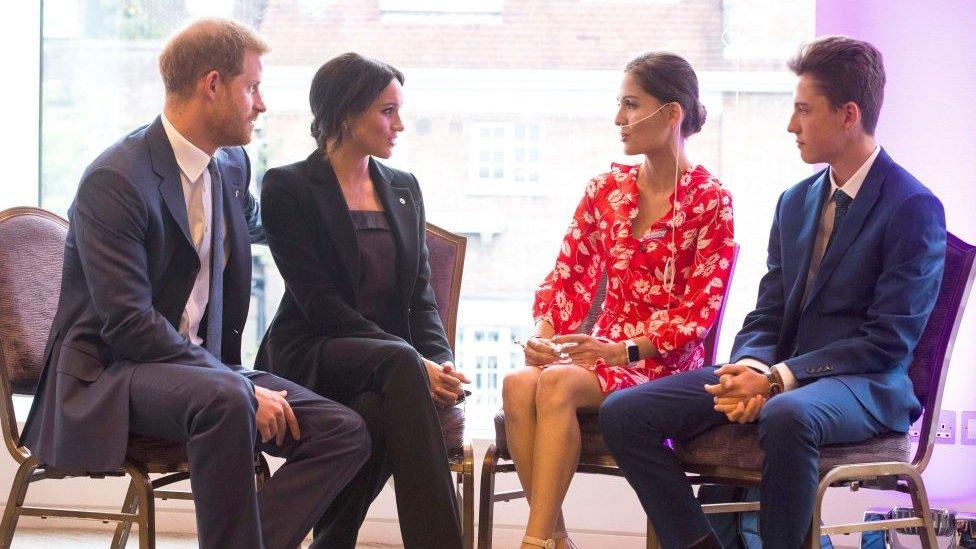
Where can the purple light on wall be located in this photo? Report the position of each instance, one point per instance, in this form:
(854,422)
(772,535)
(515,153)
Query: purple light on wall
(927,124)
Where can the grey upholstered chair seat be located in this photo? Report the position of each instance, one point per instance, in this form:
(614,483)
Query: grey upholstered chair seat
(737,446)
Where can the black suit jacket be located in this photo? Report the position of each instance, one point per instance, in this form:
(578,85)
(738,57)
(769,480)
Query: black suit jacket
(129,267)
(313,241)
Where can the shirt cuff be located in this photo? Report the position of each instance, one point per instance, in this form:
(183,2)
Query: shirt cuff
(756,365)
(789,380)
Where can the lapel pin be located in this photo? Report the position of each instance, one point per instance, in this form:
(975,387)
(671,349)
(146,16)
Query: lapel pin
(402,201)
(237,193)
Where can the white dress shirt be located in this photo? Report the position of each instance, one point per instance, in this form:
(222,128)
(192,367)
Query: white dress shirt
(199,210)
(826,226)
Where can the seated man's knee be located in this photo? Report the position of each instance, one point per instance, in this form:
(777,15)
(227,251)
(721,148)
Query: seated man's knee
(336,424)
(616,414)
(783,415)
(230,393)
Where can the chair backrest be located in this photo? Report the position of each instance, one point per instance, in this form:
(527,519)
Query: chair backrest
(31,257)
(934,349)
(445,254)
(711,340)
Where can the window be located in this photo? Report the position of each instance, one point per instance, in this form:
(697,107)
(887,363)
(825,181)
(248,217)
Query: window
(506,158)
(507,117)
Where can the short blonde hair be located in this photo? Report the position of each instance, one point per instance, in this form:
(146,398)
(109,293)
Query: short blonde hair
(203,46)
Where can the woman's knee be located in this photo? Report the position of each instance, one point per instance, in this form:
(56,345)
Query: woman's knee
(519,386)
(561,387)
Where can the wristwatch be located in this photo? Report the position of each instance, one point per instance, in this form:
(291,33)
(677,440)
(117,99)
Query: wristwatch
(633,351)
(775,382)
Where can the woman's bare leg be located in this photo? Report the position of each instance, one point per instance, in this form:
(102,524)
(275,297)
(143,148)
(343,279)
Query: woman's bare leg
(562,390)
(518,401)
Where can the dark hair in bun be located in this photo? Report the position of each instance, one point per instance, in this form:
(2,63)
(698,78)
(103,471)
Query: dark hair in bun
(343,87)
(669,78)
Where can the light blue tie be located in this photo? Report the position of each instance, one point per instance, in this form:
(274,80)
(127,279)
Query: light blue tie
(215,307)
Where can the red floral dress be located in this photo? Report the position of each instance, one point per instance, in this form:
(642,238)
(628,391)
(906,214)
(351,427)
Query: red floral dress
(646,295)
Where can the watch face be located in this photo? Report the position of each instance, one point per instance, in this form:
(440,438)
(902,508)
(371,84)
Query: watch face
(633,352)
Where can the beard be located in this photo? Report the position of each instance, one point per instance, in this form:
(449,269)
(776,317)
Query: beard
(230,127)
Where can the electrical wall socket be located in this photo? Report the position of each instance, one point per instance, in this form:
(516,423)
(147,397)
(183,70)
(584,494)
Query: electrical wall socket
(967,428)
(915,430)
(945,428)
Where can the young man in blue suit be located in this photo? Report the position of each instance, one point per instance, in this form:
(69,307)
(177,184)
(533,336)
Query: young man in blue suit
(154,297)
(854,265)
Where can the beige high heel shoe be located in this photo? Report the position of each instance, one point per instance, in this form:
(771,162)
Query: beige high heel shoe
(544,543)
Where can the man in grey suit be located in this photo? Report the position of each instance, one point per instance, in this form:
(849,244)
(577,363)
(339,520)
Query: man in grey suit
(154,297)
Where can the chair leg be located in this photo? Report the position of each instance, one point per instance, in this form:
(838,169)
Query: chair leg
(920,504)
(652,541)
(813,534)
(123,529)
(467,499)
(146,506)
(18,492)
(487,499)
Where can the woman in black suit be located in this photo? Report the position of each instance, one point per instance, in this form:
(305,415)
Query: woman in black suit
(358,322)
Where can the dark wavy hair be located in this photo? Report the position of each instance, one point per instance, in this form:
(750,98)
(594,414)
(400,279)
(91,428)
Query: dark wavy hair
(669,78)
(344,87)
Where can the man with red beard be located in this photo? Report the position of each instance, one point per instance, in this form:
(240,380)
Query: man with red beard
(154,298)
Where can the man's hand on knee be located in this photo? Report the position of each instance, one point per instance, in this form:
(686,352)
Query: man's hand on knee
(274,416)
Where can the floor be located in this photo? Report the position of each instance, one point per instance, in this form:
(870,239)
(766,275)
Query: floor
(85,539)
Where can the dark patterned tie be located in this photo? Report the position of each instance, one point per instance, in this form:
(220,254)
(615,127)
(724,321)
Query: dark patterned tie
(215,307)
(841,204)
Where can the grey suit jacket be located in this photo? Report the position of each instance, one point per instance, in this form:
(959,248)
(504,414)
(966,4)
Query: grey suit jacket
(129,267)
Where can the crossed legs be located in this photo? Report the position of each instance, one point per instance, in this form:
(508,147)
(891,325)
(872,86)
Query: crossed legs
(544,437)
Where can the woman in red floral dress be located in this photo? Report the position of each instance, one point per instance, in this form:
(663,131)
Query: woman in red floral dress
(662,233)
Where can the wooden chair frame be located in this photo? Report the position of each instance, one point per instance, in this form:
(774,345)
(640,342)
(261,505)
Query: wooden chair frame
(463,468)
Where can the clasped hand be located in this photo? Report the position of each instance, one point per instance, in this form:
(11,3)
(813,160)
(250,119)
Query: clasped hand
(740,393)
(579,349)
(445,383)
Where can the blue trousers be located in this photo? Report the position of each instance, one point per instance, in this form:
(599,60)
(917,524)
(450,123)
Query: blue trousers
(213,411)
(792,427)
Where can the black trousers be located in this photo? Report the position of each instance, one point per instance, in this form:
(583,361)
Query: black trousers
(386,382)
(213,411)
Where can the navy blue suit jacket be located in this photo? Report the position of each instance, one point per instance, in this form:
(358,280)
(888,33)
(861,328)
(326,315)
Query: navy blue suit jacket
(866,308)
(129,267)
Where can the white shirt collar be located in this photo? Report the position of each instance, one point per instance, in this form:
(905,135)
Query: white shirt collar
(191,160)
(854,183)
